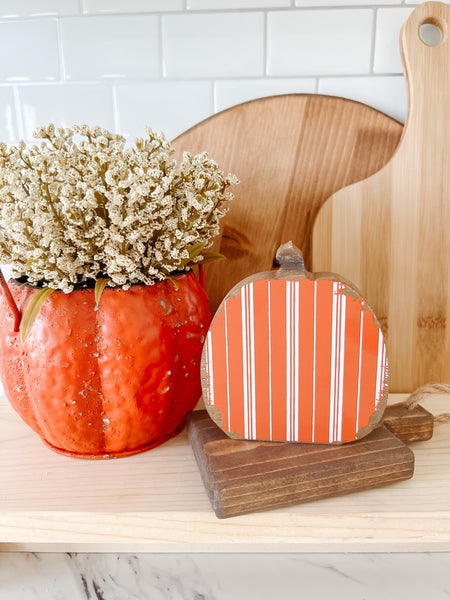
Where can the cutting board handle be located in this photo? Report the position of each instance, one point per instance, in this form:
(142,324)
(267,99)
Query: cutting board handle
(427,70)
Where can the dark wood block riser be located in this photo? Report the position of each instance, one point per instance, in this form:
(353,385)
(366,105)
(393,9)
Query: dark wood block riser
(243,477)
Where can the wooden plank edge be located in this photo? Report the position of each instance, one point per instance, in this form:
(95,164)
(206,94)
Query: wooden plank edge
(409,425)
(278,531)
(241,495)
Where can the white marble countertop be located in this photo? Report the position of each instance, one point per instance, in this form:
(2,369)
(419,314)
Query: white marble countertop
(29,576)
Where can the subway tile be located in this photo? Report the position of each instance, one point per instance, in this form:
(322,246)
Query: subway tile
(97,7)
(6,270)
(213,45)
(34,8)
(8,123)
(66,104)
(231,92)
(319,42)
(220,4)
(29,50)
(170,107)
(387,94)
(387,50)
(111,47)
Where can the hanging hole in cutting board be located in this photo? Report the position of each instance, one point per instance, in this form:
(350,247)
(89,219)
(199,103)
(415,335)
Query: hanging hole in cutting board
(431,33)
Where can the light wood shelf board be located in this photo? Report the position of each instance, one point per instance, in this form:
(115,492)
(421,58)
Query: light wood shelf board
(155,502)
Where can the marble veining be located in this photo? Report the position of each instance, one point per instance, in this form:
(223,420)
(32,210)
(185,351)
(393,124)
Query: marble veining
(46,576)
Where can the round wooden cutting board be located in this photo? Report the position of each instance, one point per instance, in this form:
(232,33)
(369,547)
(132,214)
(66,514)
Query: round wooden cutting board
(290,153)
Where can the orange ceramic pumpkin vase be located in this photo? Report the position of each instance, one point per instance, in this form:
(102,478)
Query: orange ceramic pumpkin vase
(109,381)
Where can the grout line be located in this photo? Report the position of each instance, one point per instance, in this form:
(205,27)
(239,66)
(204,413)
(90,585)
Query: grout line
(374,37)
(265,44)
(115,105)
(62,66)
(149,81)
(18,111)
(214,97)
(316,88)
(161,47)
(80,6)
(314,8)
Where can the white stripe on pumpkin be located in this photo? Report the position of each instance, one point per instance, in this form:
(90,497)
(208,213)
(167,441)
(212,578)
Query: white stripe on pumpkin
(333,363)
(244,360)
(252,360)
(361,334)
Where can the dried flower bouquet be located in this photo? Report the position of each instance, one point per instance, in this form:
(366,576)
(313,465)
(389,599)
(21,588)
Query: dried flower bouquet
(73,212)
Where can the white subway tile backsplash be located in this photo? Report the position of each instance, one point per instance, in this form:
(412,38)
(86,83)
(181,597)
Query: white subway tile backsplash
(213,45)
(388,26)
(111,47)
(29,50)
(319,42)
(387,94)
(221,4)
(96,7)
(65,105)
(8,122)
(231,92)
(170,64)
(37,8)
(171,107)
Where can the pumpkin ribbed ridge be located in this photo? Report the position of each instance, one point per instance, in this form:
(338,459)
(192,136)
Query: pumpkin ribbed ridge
(107,381)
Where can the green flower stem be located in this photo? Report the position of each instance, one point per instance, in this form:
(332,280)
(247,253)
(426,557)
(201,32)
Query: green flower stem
(11,303)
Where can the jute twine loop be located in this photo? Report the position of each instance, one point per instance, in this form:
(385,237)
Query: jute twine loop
(430,388)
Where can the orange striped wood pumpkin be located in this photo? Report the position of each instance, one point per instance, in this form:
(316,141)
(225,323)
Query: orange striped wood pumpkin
(292,356)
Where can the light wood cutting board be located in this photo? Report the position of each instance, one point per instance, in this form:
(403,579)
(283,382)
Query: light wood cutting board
(390,234)
(290,153)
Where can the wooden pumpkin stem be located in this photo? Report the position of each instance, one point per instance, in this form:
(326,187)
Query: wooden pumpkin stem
(290,258)
(10,300)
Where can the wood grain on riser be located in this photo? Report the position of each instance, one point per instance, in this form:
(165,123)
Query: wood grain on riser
(242,476)
(409,425)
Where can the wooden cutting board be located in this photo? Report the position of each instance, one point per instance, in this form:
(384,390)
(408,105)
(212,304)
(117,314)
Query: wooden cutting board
(290,153)
(390,234)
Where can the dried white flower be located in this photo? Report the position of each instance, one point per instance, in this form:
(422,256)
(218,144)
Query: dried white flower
(71,212)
